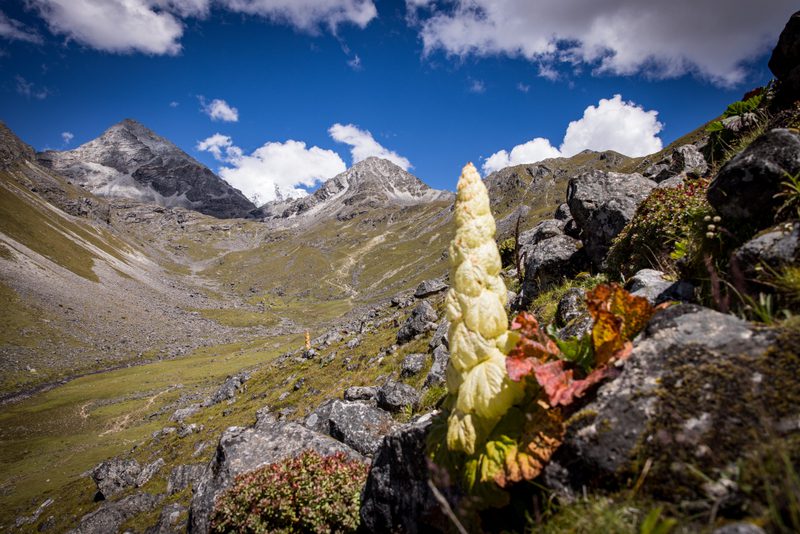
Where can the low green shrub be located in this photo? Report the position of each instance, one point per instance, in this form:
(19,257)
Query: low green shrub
(308,493)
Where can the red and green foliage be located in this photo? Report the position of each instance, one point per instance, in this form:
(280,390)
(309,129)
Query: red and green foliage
(308,493)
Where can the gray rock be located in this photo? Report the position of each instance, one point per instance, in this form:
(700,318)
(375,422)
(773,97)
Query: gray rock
(562,212)
(353,343)
(422,319)
(653,285)
(396,497)
(785,60)
(602,203)
(319,419)
(603,438)
(112,514)
(549,262)
(188,430)
(402,301)
(436,375)
(577,327)
(686,159)
(739,528)
(245,449)
(228,389)
(183,475)
(171,521)
(412,364)
(430,287)
(543,230)
(395,396)
(366,393)
(182,414)
(571,306)
(774,248)
(360,425)
(328,338)
(744,189)
(440,335)
(672,183)
(114,476)
(148,472)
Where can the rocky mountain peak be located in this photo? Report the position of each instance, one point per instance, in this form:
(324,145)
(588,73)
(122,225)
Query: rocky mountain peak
(131,161)
(12,148)
(369,184)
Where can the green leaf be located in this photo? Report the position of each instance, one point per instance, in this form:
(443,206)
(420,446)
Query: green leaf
(577,350)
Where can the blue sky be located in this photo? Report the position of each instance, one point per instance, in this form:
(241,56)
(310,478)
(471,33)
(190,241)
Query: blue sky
(434,83)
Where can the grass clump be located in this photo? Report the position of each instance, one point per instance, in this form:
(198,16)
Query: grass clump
(668,226)
(545,304)
(309,493)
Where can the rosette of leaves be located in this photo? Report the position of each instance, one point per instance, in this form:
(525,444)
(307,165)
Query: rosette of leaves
(308,493)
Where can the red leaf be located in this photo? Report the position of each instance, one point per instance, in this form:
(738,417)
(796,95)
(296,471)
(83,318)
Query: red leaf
(534,346)
(560,386)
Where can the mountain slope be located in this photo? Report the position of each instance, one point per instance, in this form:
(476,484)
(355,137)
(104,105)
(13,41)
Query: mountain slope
(131,161)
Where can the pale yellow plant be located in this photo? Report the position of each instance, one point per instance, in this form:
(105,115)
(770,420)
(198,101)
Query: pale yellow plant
(479,336)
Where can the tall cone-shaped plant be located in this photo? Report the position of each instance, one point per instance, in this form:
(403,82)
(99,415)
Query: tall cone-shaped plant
(479,336)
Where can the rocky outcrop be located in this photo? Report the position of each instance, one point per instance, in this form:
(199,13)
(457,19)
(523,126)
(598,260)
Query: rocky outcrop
(439,336)
(228,390)
(602,203)
(436,375)
(359,425)
(683,160)
(171,521)
(412,364)
(428,288)
(785,60)
(116,475)
(110,516)
(549,262)
(365,393)
(131,161)
(244,449)
(182,476)
(656,288)
(12,149)
(422,319)
(396,497)
(769,251)
(571,306)
(396,396)
(744,191)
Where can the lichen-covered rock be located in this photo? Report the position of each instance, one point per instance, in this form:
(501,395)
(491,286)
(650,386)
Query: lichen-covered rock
(744,191)
(228,389)
(114,476)
(543,230)
(183,475)
(549,262)
(562,213)
(362,393)
(319,419)
(683,160)
(171,521)
(654,286)
(244,449)
(359,425)
(439,337)
(430,287)
(110,516)
(571,306)
(437,373)
(396,396)
(181,414)
(772,249)
(422,319)
(602,203)
(699,388)
(412,364)
(396,497)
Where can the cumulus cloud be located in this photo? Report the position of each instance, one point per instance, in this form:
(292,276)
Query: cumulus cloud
(659,39)
(219,110)
(363,145)
(14,30)
(273,169)
(67,137)
(612,124)
(121,26)
(308,15)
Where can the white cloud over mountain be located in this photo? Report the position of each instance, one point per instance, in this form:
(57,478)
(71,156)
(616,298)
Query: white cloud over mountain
(274,167)
(613,124)
(710,39)
(363,145)
(219,110)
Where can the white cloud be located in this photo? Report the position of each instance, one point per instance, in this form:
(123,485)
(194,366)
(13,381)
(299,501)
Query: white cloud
(174,104)
(612,124)
(522,87)
(308,15)
(275,166)
(219,110)
(30,90)
(661,39)
(477,86)
(14,30)
(67,137)
(355,63)
(363,145)
(121,26)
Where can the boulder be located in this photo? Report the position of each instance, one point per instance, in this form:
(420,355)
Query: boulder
(436,375)
(228,389)
(683,160)
(543,230)
(654,286)
(359,425)
(396,497)
(412,364)
(440,335)
(550,261)
(562,212)
(785,60)
(114,476)
(245,449)
(774,248)
(422,319)
(395,396)
(365,393)
(571,306)
(602,203)
(181,414)
(319,419)
(183,475)
(744,191)
(430,287)
(171,521)
(696,380)
(112,514)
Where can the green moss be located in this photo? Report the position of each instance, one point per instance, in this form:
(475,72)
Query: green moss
(544,306)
